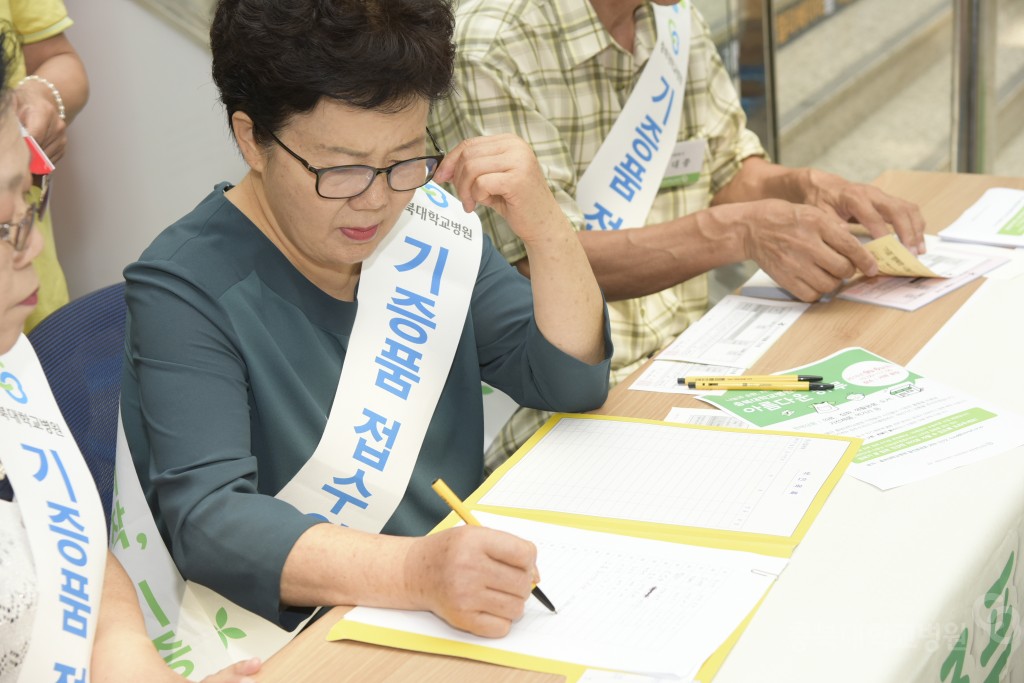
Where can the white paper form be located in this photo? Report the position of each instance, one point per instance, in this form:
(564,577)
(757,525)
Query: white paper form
(997,218)
(736,332)
(663,376)
(1013,268)
(708,418)
(671,474)
(624,603)
(958,267)
(913,427)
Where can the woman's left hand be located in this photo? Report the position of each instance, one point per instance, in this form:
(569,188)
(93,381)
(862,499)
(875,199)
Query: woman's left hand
(502,173)
(37,110)
(239,672)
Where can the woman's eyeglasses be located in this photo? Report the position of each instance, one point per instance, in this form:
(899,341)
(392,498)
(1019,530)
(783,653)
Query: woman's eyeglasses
(16,234)
(345,182)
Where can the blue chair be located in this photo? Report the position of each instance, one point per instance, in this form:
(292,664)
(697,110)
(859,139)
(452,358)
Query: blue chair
(81,349)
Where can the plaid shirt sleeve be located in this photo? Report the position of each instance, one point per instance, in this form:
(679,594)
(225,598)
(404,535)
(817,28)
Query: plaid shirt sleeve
(713,104)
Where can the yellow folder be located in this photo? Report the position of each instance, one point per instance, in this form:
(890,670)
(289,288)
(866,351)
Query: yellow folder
(765,544)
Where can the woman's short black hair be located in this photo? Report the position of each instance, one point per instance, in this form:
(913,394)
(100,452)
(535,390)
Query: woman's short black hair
(273,59)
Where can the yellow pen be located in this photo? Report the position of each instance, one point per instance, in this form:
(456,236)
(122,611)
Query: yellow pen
(448,496)
(752,378)
(761,386)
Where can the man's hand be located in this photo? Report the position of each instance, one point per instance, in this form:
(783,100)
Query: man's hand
(474,578)
(805,249)
(869,206)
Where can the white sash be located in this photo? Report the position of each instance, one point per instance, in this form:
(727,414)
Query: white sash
(619,186)
(413,307)
(414,294)
(62,515)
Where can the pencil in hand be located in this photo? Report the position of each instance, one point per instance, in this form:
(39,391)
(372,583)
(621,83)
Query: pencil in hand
(449,497)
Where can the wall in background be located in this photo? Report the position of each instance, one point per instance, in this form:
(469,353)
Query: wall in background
(149,145)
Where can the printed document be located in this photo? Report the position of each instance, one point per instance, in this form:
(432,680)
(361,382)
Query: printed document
(956,266)
(624,603)
(663,376)
(913,427)
(997,218)
(736,332)
(1012,269)
(702,416)
(895,259)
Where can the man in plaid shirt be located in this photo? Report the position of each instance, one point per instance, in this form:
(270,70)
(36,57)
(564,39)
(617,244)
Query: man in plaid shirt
(557,73)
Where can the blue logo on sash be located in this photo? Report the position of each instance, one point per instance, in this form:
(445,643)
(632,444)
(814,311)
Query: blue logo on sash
(12,385)
(675,35)
(435,194)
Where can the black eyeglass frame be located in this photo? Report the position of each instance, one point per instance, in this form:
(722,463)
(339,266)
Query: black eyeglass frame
(320,172)
(16,234)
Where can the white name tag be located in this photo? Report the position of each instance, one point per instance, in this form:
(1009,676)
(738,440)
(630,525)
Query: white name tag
(685,164)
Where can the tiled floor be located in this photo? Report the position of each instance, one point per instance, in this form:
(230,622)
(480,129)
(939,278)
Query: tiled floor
(905,121)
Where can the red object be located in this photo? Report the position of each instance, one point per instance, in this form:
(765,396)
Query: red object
(39,163)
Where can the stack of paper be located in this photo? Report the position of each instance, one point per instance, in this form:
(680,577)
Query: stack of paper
(655,541)
(955,268)
(997,218)
(664,614)
(892,257)
(913,427)
(729,338)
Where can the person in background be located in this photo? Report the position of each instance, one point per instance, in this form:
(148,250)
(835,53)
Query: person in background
(121,650)
(285,431)
(560,74)
(50,89)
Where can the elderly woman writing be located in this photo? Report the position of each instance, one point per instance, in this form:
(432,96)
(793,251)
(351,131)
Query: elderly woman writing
(305,348)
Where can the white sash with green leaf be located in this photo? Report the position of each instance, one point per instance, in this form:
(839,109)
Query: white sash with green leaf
(63,518)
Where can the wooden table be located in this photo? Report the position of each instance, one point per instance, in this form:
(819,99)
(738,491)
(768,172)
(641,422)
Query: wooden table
(823,329)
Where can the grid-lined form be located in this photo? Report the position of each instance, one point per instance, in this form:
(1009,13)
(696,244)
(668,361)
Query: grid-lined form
(671,474)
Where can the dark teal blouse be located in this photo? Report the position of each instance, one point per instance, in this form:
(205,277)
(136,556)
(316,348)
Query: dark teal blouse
(233,359)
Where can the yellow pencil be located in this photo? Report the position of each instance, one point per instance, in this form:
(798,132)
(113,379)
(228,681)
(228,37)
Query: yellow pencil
(448,496)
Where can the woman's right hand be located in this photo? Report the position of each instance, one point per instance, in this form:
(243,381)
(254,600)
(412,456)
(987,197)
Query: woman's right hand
(474,578)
